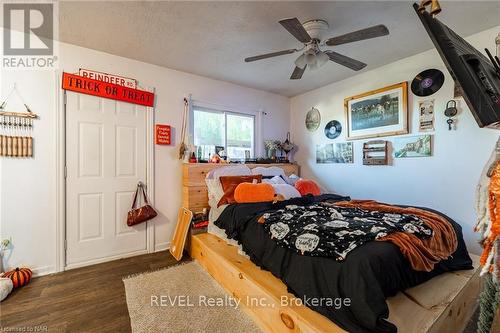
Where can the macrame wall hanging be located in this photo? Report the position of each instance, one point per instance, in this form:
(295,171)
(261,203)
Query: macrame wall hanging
(183,148)
(16,129)
(488,225)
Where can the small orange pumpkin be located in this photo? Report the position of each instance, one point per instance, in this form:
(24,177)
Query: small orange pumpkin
(19,276)
(248,192)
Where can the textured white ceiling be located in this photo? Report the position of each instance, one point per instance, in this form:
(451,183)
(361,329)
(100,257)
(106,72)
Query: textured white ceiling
(213,38)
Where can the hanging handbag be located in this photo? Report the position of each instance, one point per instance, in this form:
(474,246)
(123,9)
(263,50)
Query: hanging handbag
(143,213)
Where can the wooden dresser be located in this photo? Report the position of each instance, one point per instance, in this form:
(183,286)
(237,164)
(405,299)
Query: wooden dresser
(194,188)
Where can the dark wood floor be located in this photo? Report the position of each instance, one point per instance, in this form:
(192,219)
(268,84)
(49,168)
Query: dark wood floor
(89,299)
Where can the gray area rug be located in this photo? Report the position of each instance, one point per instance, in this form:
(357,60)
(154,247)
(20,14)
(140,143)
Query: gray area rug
(183,298)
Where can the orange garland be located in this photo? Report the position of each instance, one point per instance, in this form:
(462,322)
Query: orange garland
(494,209)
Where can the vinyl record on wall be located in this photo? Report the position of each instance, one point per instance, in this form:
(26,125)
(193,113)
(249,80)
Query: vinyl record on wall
(333,129)
(427,82)
(313,119)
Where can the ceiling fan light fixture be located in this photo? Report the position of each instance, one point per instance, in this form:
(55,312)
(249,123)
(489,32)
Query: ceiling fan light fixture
(301,61)
(314,66)
(322,58)
(310,58)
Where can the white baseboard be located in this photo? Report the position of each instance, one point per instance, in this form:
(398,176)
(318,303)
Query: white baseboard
(162,246)
(106,259)
(44,270)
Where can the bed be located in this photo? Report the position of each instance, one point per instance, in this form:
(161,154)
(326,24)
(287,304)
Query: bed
(431,301)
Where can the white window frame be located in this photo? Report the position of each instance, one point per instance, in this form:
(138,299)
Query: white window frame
(215,108)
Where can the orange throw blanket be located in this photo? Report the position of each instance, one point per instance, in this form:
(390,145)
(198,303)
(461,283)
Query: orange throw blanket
(423,254)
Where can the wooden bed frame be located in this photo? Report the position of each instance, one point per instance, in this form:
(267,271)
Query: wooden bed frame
(441,305)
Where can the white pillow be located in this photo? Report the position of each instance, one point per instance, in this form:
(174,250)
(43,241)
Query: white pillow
(5,288)
(232,170)
(288,191)
(274,180)
(215,191)
(214,187)
(292,179)
(268,171)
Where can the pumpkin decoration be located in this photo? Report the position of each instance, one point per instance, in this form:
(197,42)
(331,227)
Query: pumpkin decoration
(20,276)
(306,186)
(249,192)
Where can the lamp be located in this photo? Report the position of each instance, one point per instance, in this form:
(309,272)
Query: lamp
(322,58)
(312,59)
(301,61)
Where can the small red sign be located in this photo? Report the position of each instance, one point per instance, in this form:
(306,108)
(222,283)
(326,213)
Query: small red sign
(117,92)
(163,134)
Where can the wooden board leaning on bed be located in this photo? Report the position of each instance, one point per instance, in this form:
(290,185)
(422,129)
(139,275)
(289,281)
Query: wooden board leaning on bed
(194,188)
(443,304)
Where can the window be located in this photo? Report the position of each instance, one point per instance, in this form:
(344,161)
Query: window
(214,130)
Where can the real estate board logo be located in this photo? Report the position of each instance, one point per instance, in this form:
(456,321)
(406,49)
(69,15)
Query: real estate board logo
(28,35)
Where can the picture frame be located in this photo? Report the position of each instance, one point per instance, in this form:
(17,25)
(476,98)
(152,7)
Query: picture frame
(340,153)
(413,146)
(377,113)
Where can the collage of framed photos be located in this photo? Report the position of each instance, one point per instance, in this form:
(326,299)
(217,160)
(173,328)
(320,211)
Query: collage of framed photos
(383,113)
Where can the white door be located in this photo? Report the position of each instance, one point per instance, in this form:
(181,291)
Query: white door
(105,159)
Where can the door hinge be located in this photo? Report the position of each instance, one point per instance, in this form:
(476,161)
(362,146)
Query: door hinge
(65,172)
(65,99)
(65,245)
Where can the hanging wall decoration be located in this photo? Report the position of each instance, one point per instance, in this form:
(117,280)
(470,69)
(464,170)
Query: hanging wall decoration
(450,112)
(381,112)
(333,129)
(426,115)
(16,129)
(413,146)
(375,152)
(313,119)
(334,153)
(110,78)
(163,134)
(88,86)
(427,82)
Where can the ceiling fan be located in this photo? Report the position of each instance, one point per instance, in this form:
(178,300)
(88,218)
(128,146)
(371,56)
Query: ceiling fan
(309,33)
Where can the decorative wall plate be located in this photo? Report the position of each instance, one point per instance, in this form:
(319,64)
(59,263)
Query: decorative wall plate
(313,119)
(333,129)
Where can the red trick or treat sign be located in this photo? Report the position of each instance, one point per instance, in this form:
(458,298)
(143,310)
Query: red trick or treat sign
(163,134)
(103,89)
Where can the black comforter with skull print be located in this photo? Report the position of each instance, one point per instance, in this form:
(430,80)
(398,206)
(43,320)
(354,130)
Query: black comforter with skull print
(323,229)
(369,274)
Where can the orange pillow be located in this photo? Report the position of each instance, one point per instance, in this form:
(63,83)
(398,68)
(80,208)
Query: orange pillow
(307,186)
(229,184)
(248,192)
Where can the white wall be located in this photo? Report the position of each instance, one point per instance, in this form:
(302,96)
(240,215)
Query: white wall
(28,187)
(445,182)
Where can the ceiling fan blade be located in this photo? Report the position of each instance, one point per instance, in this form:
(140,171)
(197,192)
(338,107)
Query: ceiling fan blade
(372,32)
(270,55)
(345,61)
(297,73)
(293,26)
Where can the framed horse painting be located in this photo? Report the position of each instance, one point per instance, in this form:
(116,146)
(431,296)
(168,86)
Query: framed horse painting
(377,113)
